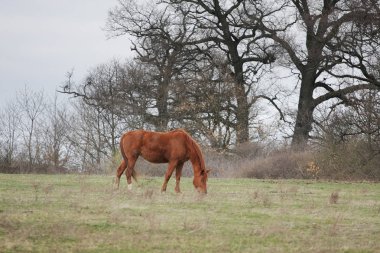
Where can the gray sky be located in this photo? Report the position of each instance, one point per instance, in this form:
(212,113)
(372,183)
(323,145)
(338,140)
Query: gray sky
(41,40)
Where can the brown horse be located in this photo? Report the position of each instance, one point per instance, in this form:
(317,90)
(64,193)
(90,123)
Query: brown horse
(174,147)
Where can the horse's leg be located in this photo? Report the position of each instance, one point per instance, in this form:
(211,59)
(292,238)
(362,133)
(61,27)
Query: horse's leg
(130,168)
(178,173)
(120,171)
(168,174)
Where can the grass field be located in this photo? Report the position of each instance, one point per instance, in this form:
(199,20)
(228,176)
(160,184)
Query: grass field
(73,213)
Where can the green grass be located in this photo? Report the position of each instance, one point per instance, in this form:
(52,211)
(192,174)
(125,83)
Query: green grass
(73,213)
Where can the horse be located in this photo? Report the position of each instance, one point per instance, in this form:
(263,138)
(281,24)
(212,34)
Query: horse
(174,147)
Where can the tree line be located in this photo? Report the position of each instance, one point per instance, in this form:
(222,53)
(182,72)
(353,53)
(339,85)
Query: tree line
(218,69)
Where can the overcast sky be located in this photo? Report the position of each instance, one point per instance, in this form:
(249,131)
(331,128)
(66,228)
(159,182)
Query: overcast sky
(41,40)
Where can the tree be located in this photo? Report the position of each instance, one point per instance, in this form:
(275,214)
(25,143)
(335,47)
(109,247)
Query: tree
(158,36)
(9,123)
(55,132)
(32,106)
(359,120)
(360,49)
(318,52)
(87,137)
(220,25)
(204,102)
(111,99)
(107,89)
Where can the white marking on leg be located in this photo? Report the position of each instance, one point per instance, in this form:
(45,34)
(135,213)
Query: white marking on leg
(130,187)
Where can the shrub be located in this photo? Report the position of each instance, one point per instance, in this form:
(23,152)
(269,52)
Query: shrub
(279,164)
(350,160)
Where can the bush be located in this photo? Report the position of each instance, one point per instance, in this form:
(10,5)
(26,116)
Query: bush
(279,164)
(351,160)
(36,169)
(259,161)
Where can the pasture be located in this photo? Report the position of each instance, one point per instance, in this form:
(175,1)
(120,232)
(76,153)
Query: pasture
(77,213)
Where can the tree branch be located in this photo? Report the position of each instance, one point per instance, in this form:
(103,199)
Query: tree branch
(340,93)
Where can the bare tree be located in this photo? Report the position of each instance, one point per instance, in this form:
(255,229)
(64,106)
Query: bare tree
(361,119)
(220,25)
(158,38)
(359,49)
(311,36)
(56,146)
(204,103)
(9,123)
(106,89)
(86,138)
(32,105)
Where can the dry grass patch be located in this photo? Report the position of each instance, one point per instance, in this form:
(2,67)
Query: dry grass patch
(83,214)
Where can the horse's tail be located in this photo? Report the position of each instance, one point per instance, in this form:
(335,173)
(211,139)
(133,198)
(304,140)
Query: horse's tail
(134,174)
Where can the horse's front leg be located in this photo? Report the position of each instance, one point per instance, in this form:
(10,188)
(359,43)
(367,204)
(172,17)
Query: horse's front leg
(178,173)
(168,174)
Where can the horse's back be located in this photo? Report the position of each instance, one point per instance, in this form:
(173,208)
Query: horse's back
(150,136)
(157,147)
(165,141)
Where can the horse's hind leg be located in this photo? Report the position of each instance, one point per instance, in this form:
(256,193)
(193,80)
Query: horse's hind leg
(130,170)
(178,173)
(120,171)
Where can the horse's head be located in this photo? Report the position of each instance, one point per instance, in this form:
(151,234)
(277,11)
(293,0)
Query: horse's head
(200,181)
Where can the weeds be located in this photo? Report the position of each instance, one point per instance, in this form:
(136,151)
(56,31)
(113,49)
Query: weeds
(148,194)
(36,187)
(192,227)
(266,201)
(48,189)
(334,197)
(335,225)
(313,169)
(255,194)
(153,222)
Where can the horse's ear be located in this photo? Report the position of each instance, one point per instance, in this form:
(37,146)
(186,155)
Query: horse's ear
(208,170)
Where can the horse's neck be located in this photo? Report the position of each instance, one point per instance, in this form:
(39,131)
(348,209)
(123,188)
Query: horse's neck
(196,162)
(196,159)
(197,167)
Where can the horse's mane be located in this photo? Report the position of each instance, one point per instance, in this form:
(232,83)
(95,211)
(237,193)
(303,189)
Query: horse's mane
(196,148)
(180,130)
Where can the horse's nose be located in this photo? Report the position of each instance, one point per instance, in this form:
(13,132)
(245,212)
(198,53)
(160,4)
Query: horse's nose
(200,190)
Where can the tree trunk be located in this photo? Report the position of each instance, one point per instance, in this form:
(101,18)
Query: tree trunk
(305,110)
(161,123)
(242,113)
(304,119)
(30,156)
